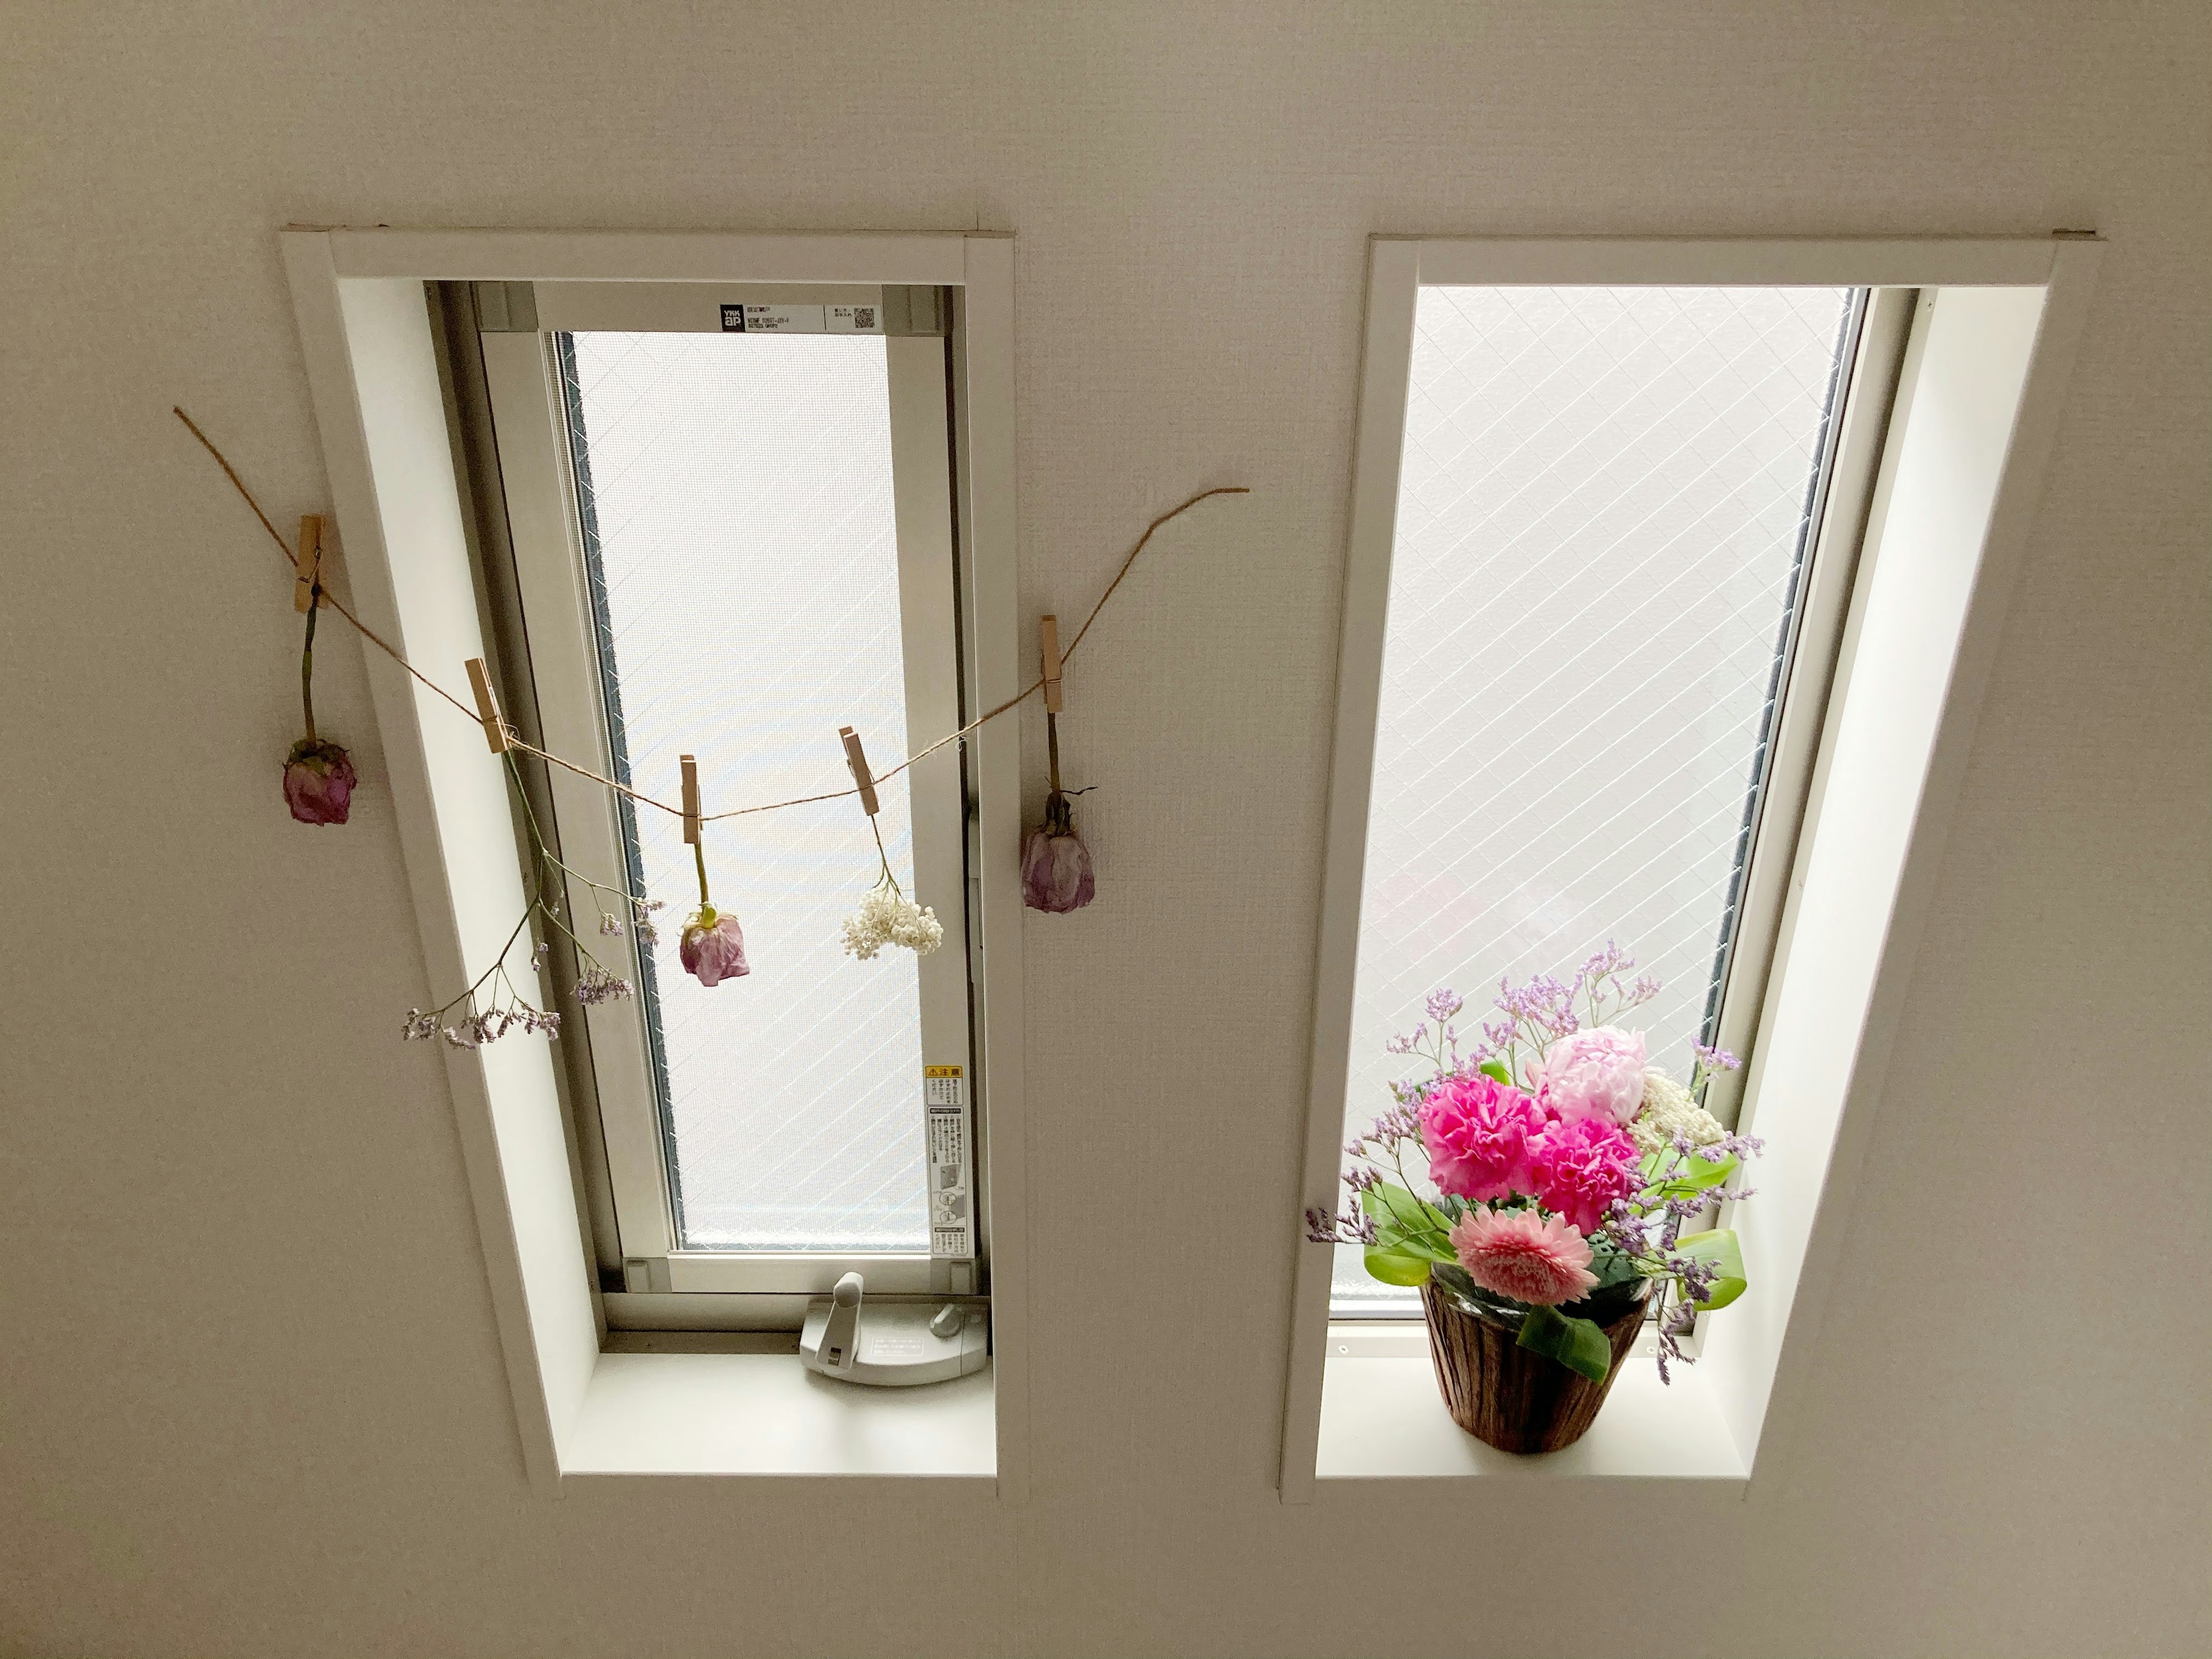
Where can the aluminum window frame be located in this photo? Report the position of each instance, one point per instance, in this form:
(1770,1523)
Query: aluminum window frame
(550,666)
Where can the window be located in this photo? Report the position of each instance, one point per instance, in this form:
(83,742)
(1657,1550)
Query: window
(733,529)
(1608,502)
(1846,511)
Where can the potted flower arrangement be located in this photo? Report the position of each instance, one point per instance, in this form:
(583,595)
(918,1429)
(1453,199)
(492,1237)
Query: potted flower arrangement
(1568,1181)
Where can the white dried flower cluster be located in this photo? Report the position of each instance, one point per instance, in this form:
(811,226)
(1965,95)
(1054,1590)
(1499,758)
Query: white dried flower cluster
(887,916)
(1669,1110)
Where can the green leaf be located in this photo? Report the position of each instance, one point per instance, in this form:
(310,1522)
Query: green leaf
(1688,1177)
(1396,1266)
(1495,1072)
(1720,1248)
(1404,1223)
(1426,1247)
(1577,1344)
(1611,1268)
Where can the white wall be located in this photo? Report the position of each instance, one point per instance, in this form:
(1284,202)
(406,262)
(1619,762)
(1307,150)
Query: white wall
(251,1399)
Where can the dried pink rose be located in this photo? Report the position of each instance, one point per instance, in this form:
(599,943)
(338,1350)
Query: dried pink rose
(1056,873)
(318,779)
(714,947)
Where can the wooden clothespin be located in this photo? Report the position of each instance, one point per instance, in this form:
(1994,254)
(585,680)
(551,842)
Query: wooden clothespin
(691,817)
(309,564)
(1049,651)
(495,733)
(859,763)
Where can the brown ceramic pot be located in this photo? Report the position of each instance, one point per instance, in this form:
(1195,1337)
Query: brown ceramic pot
(1506,1395)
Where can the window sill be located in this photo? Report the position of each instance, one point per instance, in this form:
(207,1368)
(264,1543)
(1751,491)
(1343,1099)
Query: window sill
(1382,1420)
(765,1414)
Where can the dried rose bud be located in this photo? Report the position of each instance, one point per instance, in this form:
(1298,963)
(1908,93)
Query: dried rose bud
(319,781)
(1055,864)
(712,947)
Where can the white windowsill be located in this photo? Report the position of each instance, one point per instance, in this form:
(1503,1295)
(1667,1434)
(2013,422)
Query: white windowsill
(1381,1418)
(765,1414)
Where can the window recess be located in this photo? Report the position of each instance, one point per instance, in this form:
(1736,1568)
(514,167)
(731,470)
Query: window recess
(730,512)
(1915,478)
(1627,519)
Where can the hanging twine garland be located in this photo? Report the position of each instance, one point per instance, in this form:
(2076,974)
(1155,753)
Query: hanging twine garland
(509,1009)
(643,800)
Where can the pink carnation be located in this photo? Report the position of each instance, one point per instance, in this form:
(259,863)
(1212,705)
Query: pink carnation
(1522,1254)
(1580,1167)
(1477,1132)
(1593,1074)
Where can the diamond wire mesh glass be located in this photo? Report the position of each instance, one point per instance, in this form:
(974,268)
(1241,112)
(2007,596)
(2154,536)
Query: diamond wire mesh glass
(1601,512)
(737,503)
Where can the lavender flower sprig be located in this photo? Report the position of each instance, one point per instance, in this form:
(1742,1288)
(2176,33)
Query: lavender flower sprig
(493,1006)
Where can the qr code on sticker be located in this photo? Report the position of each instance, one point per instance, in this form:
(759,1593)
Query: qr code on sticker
(864,316)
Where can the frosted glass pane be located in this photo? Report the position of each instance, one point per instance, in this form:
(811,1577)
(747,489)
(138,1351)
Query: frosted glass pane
(738,503)
(1599,525)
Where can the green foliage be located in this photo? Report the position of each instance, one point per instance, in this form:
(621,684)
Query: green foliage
(1720,1248)
(1685,1177)
(1409,1235)
(1612,1267)
(1495,1072)
(1577,1344)
(1397,1266)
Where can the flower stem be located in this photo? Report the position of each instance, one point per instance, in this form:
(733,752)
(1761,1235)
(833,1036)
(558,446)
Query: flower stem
(307,664)
(1052,746)
(699,856)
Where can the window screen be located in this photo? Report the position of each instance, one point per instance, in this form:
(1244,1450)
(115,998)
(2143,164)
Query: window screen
(736,500)
(1606,500)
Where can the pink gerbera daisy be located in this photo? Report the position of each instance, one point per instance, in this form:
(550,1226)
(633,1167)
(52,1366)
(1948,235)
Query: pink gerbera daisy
(1524,1255)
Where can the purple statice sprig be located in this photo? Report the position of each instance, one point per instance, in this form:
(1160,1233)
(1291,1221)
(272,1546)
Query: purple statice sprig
(490,1008)
(1334,1227)
(1648,1228)
(493,1006)
(1536,1014)
(1710,1060)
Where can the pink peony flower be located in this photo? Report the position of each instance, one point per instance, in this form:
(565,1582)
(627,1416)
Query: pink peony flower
(714,947)
(1477,1132)
(1580,1165)
(1596,1072)
(1056,873)
(319,781)
(1520,1254)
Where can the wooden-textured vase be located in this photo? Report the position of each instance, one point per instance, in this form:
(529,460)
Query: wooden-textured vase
(1506,1395)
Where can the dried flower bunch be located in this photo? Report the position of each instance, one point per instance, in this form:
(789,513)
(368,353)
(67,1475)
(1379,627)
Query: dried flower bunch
(319,775)
(495,1005)
(713,946)
(1056,874)
(888,916)
(1562,1165)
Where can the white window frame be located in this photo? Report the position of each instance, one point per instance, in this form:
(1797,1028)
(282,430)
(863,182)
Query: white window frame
(560,675)
(1844,481)
(372,368)
(1960,452)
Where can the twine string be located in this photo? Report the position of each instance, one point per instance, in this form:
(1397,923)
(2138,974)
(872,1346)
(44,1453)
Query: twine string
(643,800)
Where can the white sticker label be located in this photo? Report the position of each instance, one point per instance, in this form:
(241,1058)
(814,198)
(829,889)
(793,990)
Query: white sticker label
(944,1103)
(802,320)
(773,319)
